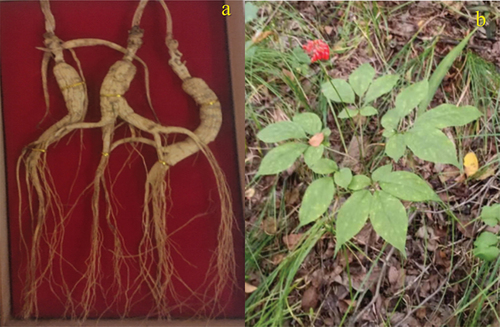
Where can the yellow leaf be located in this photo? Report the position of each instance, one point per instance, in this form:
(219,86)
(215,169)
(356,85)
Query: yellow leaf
(470,164)
(249,288)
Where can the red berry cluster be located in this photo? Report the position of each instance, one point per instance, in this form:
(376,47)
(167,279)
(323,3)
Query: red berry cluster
(317,50)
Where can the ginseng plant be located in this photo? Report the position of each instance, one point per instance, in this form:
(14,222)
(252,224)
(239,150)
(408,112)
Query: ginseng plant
(155,243)
(377,196)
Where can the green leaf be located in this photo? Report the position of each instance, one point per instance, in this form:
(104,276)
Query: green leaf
(409,98)
(491,214)
(316,200)
(343,177)
(309,122)
(313,154)
(432,145)
(359,182)
(407,186)
(348,113)
(381,172)
(324,166)
(441,71)
(390,120)
(487,253)
(447,115)
(395,146)
(250,12)
(326,132)
(486,239)
(340,91)
(281,158)
(281,131)
(352,216)
(368,111)
(381,86)
(389,219)
(361,78)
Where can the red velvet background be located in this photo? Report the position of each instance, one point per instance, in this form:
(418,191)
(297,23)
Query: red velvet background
(200,29)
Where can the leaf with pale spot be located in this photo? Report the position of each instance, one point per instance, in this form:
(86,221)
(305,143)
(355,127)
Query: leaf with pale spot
(348,113)
(359,182)
(316,200)
(281,158)
(281,131)
(447,115)
(432,145)
(352,217)
(380,172)
(395,146)
(324,166)
(338,90)
(313,154)
(409,98)
(390,120)
(309,122)
(361,78)
(407,186)
(343,177)
(389,219)
(368,111)
(381,86)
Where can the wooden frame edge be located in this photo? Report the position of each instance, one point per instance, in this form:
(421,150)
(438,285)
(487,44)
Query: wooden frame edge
(4,236)
(236,44)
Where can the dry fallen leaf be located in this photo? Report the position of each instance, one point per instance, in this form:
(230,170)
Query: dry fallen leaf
(249,288)
(471,164)
(316,139)
(260,36)
(309,299)
(269,226)
(291,240)
(250,193)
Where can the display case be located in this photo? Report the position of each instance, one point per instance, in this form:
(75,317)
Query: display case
(210,37)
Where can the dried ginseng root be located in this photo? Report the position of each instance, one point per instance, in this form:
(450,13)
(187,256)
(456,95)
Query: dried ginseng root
(157,269)
(72,86)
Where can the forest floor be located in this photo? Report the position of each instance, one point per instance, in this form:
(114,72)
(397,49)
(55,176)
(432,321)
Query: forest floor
(293,277)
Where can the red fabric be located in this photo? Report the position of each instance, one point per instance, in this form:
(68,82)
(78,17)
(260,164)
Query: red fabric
(200,29)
